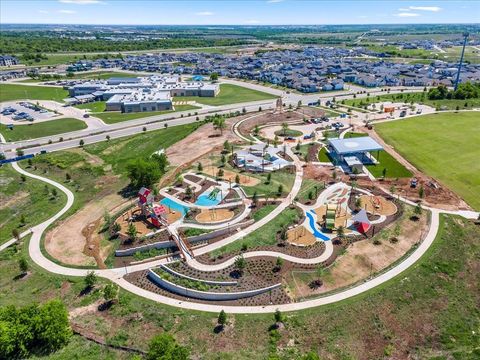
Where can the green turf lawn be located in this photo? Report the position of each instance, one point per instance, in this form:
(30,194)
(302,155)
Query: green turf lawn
(266,235)
(47,128)
(112,117)
(229,94)
(29,198)
(308,185)
(387,161)
(323,155)
(418,97)
(94,107)
(402,315)
(9,92)
(350,135)
(444,146)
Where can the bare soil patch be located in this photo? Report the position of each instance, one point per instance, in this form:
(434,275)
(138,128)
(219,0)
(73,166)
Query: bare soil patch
(214,215)
(378,205)
(69,241)
(300,236)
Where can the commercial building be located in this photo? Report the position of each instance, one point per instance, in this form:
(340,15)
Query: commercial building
(141,94)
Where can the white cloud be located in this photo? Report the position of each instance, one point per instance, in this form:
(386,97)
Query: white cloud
(66,11)
(426,8)
(43,11)
(81,2)
(275,1)
(407,14)
(252,21)
(204,13)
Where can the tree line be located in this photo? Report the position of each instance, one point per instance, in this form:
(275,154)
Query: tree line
(467,90)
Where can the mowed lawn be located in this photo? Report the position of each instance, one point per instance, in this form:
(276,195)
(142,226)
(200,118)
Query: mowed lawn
(9,92)
(229,94)
(445,146)
(47,128)
(112,117)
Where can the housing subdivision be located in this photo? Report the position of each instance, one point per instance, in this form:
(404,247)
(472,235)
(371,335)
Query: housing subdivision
(140,94)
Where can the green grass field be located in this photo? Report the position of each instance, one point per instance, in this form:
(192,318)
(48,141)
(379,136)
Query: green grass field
(94,107)
(229,94)
(29,198)
(47,128)
(418,97)
(444,146)
(112,117)
(387,161)
(323,155)
(288,132)
(9,92)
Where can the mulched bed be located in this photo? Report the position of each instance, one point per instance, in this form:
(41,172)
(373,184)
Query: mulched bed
(161,236)
(258,273)
(306,252)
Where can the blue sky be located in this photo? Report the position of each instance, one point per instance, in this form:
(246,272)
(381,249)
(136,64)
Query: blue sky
(247,12)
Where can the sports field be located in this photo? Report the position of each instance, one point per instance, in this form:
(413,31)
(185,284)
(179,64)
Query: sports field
(47,128)
(445,146)
(9,92)
(229,94)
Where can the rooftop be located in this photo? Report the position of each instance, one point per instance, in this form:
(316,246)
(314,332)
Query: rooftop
(354,145)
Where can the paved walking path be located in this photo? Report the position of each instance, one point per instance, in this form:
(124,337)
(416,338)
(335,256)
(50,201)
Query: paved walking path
(116,275)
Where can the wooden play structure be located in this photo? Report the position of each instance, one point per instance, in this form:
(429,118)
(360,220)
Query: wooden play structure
(330,217)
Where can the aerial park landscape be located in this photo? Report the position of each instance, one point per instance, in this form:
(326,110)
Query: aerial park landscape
(283,192)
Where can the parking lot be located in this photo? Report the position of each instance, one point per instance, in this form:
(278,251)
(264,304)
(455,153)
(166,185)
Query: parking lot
(18,112)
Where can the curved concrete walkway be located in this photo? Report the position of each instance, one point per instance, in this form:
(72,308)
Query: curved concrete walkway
(116,275)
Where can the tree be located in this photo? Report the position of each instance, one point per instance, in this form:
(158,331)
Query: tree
(81,143)
(269,178)
(132,231)
(90,280)
(237,179)
(110,292)
(33,329)
(421,192)
(255,198)
(23,178)
(279,263)
(219,124)
(162,161)
(199,167)
(164,347)
(23,220)
(278,316)
(256,130)
(384,172)
(214,76)
(227,146)
(280,189)
(54,192)
(297,147)
(334,175)
(310,356)
(116,228)
(68,177)
(188,192)
(418,210)
(144,129)
(23,265)
(107,137)
(223,159)
(358,203)
(341,232)
(284,128)
(222,319)
(16,234)
(220,173)
(143,172)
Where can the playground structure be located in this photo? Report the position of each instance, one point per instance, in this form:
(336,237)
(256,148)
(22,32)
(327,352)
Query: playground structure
(330,217)
(155,212)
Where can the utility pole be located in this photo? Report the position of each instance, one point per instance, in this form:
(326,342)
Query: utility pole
(465,36)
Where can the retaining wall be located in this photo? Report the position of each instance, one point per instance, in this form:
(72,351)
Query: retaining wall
(166,244)
(209,282)
(205,295)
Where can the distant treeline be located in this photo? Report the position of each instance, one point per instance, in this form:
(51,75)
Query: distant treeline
(25,42)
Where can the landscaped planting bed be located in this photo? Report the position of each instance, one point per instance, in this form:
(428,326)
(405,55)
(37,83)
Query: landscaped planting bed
(259,273)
